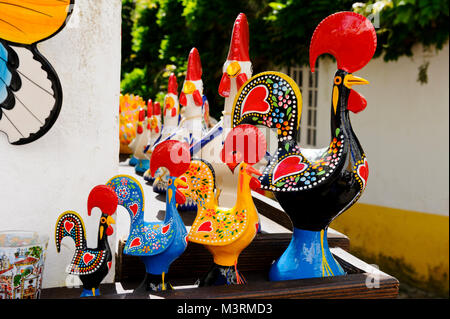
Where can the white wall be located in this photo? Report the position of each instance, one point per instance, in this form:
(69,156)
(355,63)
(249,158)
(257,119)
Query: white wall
(403,130)
(41,180)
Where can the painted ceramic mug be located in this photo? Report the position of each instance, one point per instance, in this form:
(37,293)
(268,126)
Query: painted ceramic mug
(22,258)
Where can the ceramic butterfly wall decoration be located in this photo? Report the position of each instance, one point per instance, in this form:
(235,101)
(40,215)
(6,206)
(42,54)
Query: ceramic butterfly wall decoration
(30,90)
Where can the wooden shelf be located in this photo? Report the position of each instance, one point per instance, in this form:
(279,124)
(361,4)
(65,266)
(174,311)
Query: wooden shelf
(361,279)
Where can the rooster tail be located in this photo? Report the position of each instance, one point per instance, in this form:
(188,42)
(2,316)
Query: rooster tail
(129,195)
(70,224)
(200,180)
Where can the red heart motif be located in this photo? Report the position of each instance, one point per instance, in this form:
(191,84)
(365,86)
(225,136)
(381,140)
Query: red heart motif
(256,101)
(68,226)
(363,171)
(134,209)
(135,242)
(109,264)
(206,226)
(87,257)
(165,229)
(289,166)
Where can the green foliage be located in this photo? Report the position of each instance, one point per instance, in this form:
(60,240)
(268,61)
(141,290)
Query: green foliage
(158,35)
(403,23)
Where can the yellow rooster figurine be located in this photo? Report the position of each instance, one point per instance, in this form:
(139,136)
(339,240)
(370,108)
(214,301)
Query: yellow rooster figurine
(225,232)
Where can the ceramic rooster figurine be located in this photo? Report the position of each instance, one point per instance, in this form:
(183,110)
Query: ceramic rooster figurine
(192,126)
(157,243)
(171,117)
(128,118)
(90,264)
(313,189)
(140,139)
(225,232)
(236,70)
(154,133)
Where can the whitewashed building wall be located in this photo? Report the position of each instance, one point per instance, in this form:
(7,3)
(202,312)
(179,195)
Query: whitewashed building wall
(403,130)
(41,180)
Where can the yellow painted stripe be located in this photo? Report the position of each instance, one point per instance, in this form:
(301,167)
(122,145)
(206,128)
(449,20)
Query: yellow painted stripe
(418,240)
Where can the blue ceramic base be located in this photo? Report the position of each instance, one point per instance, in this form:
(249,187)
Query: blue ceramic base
(307,256)
(89,293)
(142,166)
(133,161)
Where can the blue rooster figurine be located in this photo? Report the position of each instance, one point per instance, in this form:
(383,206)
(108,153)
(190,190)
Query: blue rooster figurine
(157,243)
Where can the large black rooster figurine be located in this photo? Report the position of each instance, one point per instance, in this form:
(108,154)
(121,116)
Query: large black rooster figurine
(313,186)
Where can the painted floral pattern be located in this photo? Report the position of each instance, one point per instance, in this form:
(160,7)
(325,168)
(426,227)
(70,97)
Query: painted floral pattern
(145,238)
(284,115)
(212,225)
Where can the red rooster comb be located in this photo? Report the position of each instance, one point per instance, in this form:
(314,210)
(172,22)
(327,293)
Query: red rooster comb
(141,115)
(245,143)
(103,197)
(194,67)
(173,155)
(348,36)
(149,108)
(239,40)
(156,108)
(173,85)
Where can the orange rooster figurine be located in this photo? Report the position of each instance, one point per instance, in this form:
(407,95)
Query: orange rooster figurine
(313,188)
(236,70)
(225,232)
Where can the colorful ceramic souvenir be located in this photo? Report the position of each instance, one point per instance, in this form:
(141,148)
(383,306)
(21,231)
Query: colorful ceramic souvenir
(154,133)
(171,119)
(22,258)
(142,163)
(128,116)
(225,232)
(313,186)
(30,90)
(236,70)
(90,264)
(192,126)
(141,138)
(157,243)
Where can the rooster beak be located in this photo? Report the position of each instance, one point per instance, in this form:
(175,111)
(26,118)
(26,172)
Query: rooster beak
(251,170)
(189,87)
(233,69)
(179,182)
(169,103)
(351,80)
(110,220)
